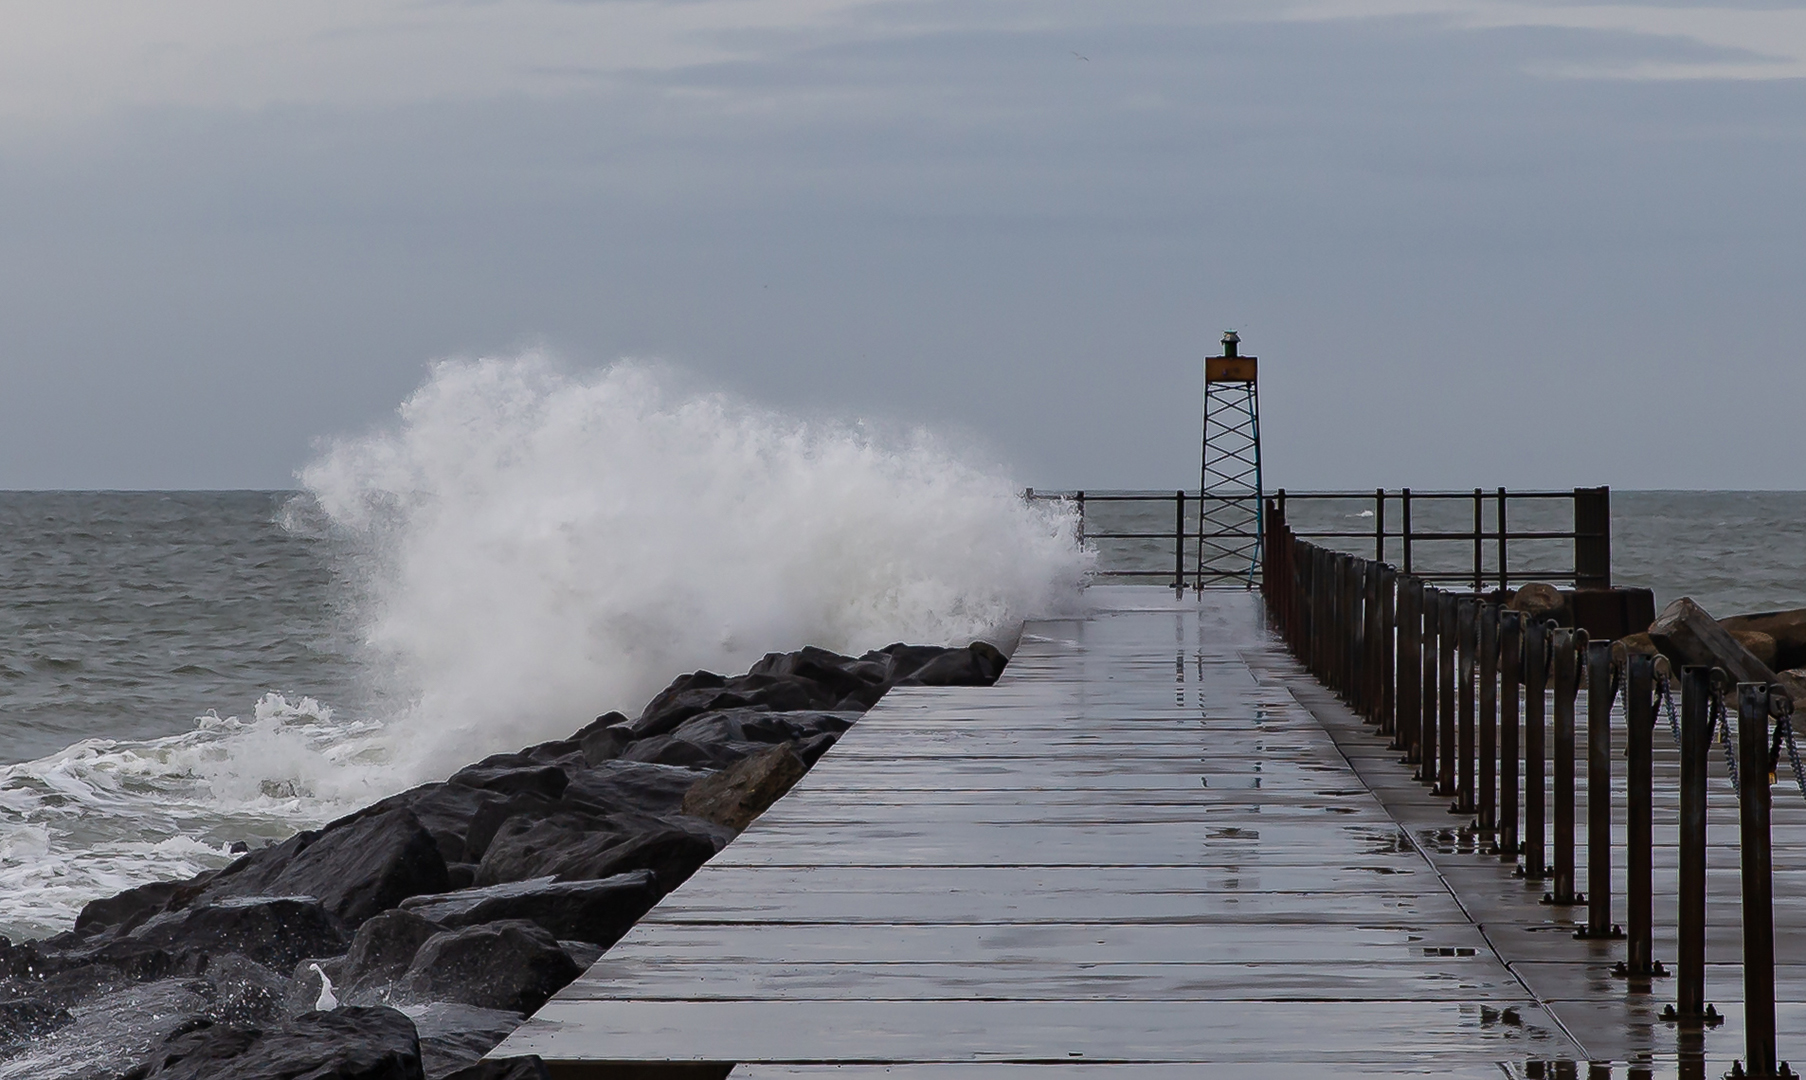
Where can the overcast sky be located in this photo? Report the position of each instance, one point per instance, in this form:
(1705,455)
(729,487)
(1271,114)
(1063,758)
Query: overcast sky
(1516,242)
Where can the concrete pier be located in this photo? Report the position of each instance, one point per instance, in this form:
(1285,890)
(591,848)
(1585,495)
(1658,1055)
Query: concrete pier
(1140,856)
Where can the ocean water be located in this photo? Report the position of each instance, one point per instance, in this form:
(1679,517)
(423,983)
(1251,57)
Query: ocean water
(521,549)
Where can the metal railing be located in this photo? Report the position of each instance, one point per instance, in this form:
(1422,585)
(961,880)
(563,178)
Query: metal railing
(1481,698)
(1159,536)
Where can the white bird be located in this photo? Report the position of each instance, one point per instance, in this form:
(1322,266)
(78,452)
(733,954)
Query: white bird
(327,1001)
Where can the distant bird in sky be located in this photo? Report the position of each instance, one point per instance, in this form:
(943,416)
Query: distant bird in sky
(1087,59)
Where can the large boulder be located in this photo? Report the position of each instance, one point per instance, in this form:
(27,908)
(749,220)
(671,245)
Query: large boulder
(512,965)
(515,774)
(25,1019)
(454,1036)
(615,786)
(1539,601)
(577,846)
(530,1067)
(275,931)
(117,1031)
(380,952)
(597,912)
(356,868)
(1760,645)
(346,1044)
(979,664)
(735,796)
(1787,628)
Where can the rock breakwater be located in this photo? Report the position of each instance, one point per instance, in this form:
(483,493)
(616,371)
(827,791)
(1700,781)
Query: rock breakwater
(406,939)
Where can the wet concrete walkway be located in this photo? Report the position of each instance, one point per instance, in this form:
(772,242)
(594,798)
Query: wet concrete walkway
(1136,855)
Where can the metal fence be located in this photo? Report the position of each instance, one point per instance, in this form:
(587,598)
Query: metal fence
(1465,537)
(1481,698)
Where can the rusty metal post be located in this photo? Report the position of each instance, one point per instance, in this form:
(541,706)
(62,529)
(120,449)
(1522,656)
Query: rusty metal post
(1369,676)
(1409,710)
(1639,853)
(1446,636)
(1567,648)
(1536,675)
(1379,525)
(1466,627)
(1511,675)
(1489,716)
(1599,794)
(1426,719)
(1753,709)
(1691,1009)
(1388,645)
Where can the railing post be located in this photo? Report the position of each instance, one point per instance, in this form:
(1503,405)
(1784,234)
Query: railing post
(1753,704)
(1479,538)
(1446,636)
(1179,543)
(1639,853)
(1379,525)
(1489,716)
(1388,622)
(1426,721)
(1592,538)
(1511,674)
(1568,646)
(1408,713)
(1080,499)
(1504,572)
(1690,1009)
(1370,650)
(1404,504)
(1536,675)
(1467,616)
(1599,794)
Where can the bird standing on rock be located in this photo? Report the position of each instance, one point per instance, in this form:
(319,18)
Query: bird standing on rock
(327,1001)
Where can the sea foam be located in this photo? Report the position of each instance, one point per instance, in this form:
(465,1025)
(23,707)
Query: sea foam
(529,546)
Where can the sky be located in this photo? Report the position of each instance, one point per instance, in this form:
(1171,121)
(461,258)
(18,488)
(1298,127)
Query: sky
(1524,242)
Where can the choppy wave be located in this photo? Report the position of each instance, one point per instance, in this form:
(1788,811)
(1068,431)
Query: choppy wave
(531,546)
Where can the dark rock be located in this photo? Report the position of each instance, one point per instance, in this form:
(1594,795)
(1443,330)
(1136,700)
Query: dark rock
(685,697)
(671,750)
(531,1067)
(604,739)
(511,964)
(979,664)
(245,993)
(734,797)
(811,749)
(582,953)
(238,847)
(737,727)
(381,951)
(117,1031)
(492,815)
(444,810)
(580,846)
(645,787)
(1761,645)
(453,1036)
(460,875)
(836,675)
(346,1044)
(272,930)
(25,1019)
(125,910)
(597,912)
(513,774)
(356,867)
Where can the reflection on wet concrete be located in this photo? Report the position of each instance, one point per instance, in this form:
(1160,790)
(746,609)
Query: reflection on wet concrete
(1139,855)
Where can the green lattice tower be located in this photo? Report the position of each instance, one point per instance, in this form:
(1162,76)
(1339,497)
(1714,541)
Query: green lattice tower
(1230,521)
